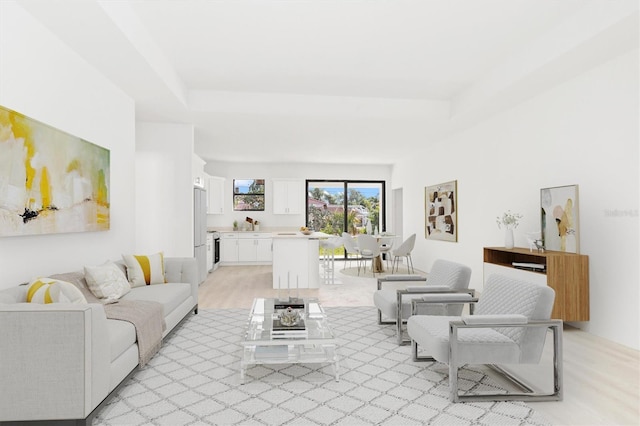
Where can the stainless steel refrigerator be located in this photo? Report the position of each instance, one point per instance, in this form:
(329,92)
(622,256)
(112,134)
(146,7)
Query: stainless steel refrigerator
(200,231)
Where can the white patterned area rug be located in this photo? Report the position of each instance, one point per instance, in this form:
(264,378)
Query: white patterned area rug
(366,272)
(195,380)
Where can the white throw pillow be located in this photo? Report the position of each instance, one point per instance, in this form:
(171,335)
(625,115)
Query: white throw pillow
(106,281)
(144,269)
(50,290)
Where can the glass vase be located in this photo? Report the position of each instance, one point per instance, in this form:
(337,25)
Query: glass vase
(508,238)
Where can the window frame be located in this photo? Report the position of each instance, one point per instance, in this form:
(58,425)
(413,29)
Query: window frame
(242,196)
(346,184)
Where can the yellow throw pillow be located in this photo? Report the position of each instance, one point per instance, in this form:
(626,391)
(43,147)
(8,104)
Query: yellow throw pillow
(50,290)
(144,270)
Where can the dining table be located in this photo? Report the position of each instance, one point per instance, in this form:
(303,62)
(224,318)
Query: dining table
(378,264)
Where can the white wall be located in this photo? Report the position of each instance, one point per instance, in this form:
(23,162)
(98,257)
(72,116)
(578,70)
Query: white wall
(583,132)
(232,171)
(43,79)
(164,189)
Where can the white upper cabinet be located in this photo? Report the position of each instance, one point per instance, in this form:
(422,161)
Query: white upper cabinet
(288,196)
(215,195)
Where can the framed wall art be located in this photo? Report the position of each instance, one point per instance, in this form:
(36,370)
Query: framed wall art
(50,181)
(559,218)
(441,212)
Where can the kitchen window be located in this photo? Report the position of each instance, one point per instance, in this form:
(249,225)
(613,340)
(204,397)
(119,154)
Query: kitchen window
(248,194)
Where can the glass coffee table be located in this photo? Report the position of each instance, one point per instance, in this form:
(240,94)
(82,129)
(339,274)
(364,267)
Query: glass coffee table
(313,343)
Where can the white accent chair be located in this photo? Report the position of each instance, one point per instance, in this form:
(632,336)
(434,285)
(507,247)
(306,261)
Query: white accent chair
(404,250)
(448,283)
(509,326)
(369,250)
(351,249)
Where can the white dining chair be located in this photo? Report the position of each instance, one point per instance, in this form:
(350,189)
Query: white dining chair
(404,250)
(351,249)
(369,250)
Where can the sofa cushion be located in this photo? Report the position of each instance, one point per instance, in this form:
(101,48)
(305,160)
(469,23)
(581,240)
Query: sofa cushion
(14,294)
(387,301)
(122,334)
(106,281)
(170,295)
(51,290)
(480,346)
(144,269)
(7,298)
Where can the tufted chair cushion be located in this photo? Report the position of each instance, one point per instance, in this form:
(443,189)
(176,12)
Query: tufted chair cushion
(503,295)
(449,274)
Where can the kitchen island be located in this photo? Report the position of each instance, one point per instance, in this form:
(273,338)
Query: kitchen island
(296,260)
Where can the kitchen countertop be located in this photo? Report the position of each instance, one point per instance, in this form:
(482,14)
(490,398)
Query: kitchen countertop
(263,229)
(276,233)
(300,235)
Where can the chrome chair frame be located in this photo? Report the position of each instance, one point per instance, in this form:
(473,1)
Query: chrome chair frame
(440,301)
(401,293)
(391,278)
(528,393)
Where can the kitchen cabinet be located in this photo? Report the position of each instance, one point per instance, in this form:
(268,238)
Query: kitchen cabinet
(254,247)
(228,247)
(215,195)
(288,196)
(264,250)
(566,273)
(245,248)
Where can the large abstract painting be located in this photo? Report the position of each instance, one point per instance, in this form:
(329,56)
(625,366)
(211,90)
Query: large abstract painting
(50,181)
(559,218)
(441,212)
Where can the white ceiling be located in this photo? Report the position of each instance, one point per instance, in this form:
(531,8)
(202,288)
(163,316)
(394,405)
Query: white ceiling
(335,81)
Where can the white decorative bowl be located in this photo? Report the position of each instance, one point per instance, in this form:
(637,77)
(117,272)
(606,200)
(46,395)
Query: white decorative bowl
(289,317)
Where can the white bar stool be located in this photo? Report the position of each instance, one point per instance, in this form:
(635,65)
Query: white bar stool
(328,259)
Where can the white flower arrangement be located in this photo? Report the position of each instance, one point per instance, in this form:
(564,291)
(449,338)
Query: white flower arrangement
(509,220)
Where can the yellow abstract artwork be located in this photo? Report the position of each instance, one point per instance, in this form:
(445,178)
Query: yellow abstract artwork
(559,218)
(50,181)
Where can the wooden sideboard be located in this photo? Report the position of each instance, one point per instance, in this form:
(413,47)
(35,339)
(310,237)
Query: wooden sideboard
(566,273)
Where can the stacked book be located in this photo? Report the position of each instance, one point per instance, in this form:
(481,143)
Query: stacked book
(279,331)
(292,302)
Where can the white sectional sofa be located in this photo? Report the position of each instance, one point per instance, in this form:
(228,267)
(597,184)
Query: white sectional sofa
(62,362)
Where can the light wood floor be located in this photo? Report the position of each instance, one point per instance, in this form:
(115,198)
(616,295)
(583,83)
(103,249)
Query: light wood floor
(601,378)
